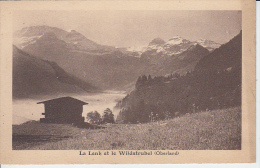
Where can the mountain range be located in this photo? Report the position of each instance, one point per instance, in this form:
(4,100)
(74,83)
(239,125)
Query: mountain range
(108,67)
(175,45)
(72,40)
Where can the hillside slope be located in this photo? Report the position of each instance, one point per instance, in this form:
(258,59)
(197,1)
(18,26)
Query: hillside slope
(33,76)
(211,130)
(224,57)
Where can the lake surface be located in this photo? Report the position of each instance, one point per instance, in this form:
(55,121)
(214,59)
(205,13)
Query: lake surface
(28,109)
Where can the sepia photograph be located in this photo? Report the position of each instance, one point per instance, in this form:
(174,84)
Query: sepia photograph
(127,82)
(142,80)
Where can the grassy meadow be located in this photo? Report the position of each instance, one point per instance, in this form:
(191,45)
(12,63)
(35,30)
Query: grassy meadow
(210,130)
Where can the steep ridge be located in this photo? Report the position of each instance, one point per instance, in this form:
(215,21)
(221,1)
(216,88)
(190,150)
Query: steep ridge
(226,56)
(33,77)
(187,60)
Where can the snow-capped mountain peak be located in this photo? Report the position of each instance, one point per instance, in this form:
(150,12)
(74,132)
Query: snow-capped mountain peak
(177,40)
(175,45)
(210,45)
(73,39)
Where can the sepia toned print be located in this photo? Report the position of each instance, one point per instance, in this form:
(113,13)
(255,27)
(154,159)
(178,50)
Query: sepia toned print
(178,93)
(128,83)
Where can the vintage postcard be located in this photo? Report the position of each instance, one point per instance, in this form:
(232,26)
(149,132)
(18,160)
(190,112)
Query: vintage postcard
(154,82)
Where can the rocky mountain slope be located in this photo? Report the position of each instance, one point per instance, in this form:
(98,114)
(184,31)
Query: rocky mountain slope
(33,77)
(226,57)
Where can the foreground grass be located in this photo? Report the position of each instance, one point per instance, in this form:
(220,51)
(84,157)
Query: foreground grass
(218,130)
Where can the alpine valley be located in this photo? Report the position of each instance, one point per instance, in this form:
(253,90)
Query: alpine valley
(99,66)
(165,77)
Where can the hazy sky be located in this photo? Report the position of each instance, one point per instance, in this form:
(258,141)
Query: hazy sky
(134,28)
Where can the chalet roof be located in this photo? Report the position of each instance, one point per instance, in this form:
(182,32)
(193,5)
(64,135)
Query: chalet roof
(63,100)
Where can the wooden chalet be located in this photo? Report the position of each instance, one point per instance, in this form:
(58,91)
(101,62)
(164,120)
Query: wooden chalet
(64,110)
